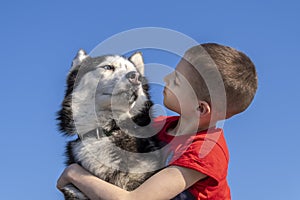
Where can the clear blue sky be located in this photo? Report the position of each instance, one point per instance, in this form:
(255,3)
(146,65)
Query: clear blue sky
(39,40)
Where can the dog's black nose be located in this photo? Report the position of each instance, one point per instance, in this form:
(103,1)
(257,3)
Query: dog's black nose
(133,77)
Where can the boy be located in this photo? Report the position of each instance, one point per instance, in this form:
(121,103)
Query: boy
(211,83)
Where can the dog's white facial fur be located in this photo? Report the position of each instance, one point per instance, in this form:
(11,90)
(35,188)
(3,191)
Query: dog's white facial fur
(105,90)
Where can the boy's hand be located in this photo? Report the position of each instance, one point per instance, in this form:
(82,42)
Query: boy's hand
(65,177)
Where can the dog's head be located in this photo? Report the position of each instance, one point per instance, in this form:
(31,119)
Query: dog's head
(102,89)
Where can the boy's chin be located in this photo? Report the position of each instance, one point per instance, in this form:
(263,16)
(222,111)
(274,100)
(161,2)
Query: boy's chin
(171,108)
(166,105)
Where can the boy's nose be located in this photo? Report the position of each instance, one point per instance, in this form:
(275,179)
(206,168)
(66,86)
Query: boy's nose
(166,78)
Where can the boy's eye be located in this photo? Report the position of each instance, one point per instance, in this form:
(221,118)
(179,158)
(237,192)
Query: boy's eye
(176,81)
(108,67)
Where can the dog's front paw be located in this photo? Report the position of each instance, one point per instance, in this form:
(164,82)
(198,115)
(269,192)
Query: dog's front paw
(72,193)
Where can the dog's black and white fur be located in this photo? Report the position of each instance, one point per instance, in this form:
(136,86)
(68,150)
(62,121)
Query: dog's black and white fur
(108,106)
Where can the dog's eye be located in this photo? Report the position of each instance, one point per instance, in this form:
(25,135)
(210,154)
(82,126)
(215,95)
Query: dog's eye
(108,67)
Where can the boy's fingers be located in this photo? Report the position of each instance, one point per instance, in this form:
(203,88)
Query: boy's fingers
(62,181)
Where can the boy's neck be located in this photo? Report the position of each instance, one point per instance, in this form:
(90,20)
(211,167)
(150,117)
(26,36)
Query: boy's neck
(186,126)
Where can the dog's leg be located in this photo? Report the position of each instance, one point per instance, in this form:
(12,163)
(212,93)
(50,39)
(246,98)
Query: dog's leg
(185,195)
(72,193)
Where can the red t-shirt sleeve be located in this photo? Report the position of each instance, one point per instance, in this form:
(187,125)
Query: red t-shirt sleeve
(203,155)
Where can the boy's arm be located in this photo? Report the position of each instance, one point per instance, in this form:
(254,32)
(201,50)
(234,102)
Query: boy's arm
(165,184)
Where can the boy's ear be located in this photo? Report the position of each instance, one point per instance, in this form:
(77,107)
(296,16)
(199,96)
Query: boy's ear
(203,108)
(137,60)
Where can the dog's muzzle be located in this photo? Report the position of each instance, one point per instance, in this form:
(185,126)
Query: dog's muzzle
(134,77)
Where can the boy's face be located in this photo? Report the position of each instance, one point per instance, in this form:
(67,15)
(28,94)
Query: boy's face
(179,95)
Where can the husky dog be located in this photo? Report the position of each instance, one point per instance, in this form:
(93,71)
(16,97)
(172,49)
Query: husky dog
(108,106)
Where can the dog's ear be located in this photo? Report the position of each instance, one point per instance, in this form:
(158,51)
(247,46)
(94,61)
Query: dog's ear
(80,56)
(137,60)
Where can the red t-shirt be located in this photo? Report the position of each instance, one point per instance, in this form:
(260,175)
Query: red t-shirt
(206,152)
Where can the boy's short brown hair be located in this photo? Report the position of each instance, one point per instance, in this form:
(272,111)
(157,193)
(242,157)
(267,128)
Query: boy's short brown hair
(237,72)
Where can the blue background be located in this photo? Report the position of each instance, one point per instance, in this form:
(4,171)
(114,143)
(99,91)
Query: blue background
(39,40)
